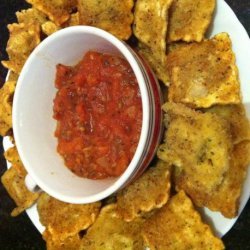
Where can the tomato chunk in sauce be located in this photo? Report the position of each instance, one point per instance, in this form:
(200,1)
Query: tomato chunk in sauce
(98,109)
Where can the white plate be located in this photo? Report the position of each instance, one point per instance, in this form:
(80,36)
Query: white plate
(224,21)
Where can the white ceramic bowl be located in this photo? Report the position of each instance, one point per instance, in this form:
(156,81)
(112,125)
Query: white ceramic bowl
(34,126)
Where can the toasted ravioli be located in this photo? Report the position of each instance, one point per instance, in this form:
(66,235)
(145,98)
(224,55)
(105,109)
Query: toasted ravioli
(199,145)
(31,15)
(14,182)
(23,39)
(189,19)
(111,232)
(154,14)
(227,197)
(158,65)
(236,117)
(150,191)
(178,225)
(114,16)
(152,44)
(58,11)
(204,74)
(63,220)
(6,97)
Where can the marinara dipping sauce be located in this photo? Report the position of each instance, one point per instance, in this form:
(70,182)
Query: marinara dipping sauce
(98,109)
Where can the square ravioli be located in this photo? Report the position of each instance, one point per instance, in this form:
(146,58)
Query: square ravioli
(111,232)
(154,14)
(114,16)
(189,19)
(150,191)
(58,11)
(152,44)
(203,74)
(178,225)
(63,220)
(199,145)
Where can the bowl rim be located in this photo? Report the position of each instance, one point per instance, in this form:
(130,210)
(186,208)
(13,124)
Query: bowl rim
(124,50)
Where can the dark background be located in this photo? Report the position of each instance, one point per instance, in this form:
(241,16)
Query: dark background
(19,232)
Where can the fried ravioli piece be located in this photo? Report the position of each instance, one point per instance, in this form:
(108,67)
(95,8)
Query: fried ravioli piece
(114,16)
(111,232)
(189,19)
(150,191)
(70,243)
(14,182)
(6,97)
(159,66)
(64,220)
(226,198)
(49,28)
(204,74)
(178,225)
(31,15)
(152,45)
(58,11)
(236,117)
(23,39)
(199,145)
(154,14)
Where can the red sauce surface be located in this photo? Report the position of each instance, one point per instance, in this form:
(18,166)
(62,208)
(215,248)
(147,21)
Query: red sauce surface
(99,115)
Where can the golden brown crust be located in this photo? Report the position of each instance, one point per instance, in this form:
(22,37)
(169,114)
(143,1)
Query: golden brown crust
(111,232)
(199,145)
(23,39)
(226,198)
(189,19)
(158,65)
(150,191)
(31,15)
(150,25)
(49,28)
(236,117)
(204,74)
(114,16)
(178,225)
(63,220)
(58,11)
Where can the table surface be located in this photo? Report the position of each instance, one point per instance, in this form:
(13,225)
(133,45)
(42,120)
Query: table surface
(19,232)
